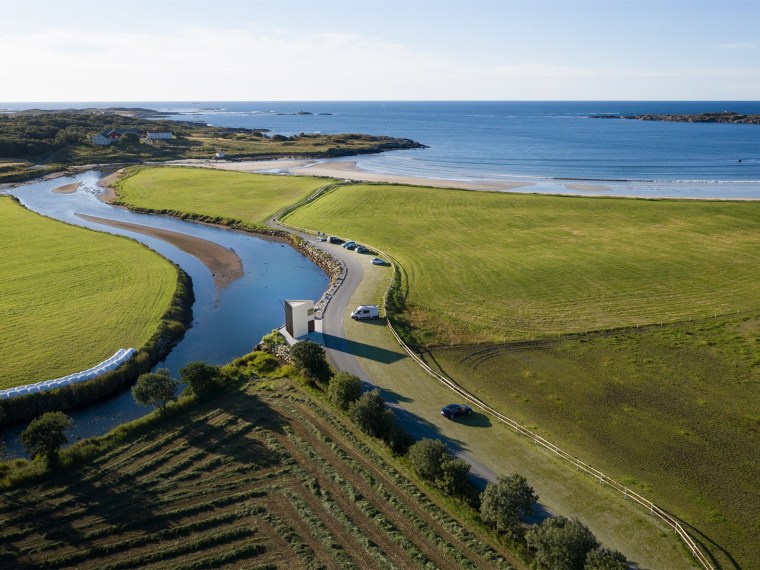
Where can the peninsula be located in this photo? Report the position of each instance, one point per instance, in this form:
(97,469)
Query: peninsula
(722,117)
(37,142)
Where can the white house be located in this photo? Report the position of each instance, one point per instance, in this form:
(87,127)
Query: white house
(101,139)
(159,135)
(299,317)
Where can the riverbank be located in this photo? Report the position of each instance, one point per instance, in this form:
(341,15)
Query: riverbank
(224,264)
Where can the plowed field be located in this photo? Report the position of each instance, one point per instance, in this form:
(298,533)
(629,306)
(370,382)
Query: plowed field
(257,479)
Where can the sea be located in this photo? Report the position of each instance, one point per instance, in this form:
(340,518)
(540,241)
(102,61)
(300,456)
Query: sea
(546,143)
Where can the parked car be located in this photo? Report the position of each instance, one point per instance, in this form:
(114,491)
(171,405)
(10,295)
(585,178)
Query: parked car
(361,249)
(349,244)
(455,410)
(333,239)
(378,261)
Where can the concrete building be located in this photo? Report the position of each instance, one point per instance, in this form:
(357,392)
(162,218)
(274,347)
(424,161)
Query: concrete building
(299,317)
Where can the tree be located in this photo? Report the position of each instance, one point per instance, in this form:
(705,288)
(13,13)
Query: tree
(605,559)
(201,378)
(45,435)
(155,389)
(308,358)
(129,139)
(504,502)
(371,415)
(560,544)
(452,478)
(344,389)
(426,457)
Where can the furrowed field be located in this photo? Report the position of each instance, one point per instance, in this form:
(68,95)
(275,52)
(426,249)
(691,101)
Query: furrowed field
(255,479)
(237,195)
(70,297)
(671,410)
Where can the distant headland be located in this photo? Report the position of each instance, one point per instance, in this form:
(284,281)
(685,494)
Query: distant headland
(722,117)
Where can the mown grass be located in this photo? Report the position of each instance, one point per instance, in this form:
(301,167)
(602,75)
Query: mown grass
(481,266)
(670,410)
(673,412)
(250,479)
(235,195)
(70,297)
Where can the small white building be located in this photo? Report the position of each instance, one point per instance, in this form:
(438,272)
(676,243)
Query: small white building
(159,135)
(101,139)
(299,317)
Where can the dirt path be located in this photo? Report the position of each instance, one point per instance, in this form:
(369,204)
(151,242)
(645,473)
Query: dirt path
(224,264)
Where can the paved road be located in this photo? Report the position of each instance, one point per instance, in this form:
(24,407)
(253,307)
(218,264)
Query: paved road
(339,353)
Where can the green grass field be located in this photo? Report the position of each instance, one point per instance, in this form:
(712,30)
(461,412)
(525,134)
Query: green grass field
(258,479)
(70,297)
(671,410)
(237,195)
(483,266)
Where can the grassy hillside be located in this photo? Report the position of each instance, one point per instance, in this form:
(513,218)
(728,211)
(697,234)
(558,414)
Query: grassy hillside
(70,297)
(491,267)
(254,479)
(673,412)
(238,195)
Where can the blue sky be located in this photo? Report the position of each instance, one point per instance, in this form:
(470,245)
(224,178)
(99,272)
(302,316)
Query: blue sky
(109,50)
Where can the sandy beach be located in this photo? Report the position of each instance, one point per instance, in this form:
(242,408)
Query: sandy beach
(344,170)
(224,264)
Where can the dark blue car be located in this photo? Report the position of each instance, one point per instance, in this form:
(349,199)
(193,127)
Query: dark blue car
(454,410)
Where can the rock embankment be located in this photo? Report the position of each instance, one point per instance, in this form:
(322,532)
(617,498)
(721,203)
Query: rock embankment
(730,117)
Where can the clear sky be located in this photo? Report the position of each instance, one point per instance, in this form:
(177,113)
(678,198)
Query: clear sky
(262,50)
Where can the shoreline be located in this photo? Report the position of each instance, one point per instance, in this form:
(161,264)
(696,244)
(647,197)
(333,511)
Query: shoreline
(350,170)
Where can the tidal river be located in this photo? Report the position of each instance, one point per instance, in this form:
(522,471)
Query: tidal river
(229,318)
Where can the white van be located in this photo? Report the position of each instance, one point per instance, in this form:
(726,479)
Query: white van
(366,312)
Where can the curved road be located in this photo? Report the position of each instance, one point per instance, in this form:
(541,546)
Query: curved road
(339,352)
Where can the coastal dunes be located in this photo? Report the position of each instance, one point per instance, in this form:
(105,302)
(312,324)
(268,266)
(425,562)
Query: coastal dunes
(94,293)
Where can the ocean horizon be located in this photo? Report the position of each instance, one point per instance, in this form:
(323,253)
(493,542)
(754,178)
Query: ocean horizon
(537,141)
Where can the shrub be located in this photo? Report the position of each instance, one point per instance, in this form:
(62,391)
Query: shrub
(201,378)
(371,415)
(605,559)
(45,435)
(453,476)
(560,544)
(426,457)
(504,502)
(264,363)
(344,389)
(155,389)
(309,360)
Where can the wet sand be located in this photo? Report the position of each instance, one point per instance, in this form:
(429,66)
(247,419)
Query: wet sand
(588,187)
(349,170)
(224,264)
(67,189)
